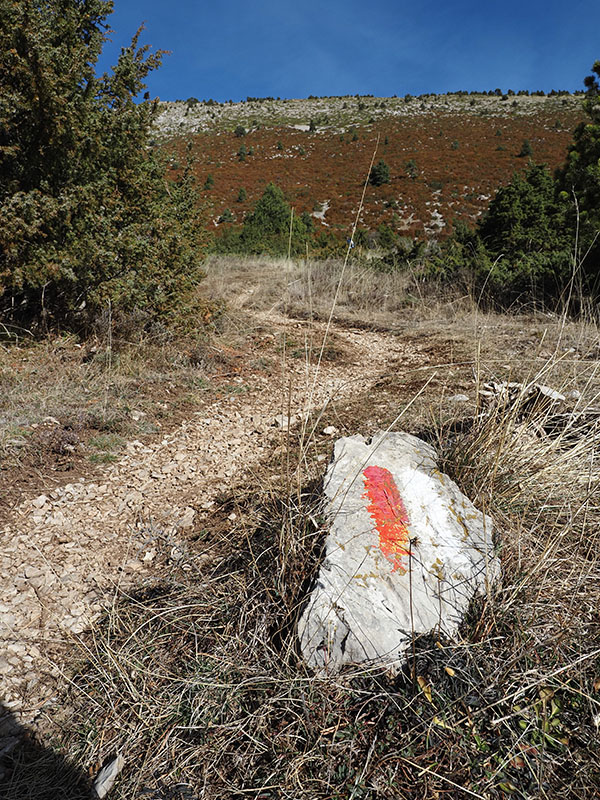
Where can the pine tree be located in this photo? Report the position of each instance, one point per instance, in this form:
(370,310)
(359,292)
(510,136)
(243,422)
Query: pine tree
(86,215)
(380,173)
(267,228)
(579,183)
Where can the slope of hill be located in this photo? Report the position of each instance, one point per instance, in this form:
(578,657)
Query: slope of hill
(447,153)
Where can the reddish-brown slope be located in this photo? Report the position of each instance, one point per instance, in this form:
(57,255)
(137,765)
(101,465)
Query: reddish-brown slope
(461,160)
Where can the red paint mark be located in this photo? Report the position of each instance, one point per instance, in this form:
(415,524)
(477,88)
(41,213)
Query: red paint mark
(389,514)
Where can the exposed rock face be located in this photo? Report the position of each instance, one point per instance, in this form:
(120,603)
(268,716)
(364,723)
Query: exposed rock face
(406,552)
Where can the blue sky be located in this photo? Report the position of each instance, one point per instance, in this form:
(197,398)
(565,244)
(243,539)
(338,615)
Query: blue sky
(227,49)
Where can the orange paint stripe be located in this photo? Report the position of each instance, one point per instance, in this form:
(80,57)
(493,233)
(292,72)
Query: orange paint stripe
(389,514)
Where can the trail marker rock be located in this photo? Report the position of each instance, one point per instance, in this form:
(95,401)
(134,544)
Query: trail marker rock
(406,552)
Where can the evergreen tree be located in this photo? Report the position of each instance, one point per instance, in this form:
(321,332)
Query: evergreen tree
(525,237)
(267,228)
(526,150)
(86,215)
(380,173)
(578,183)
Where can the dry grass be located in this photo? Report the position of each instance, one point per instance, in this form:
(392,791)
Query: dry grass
(199,682)
(197,678)
(365,295)
(67,402)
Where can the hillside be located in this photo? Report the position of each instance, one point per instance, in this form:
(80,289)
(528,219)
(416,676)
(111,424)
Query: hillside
(447,153)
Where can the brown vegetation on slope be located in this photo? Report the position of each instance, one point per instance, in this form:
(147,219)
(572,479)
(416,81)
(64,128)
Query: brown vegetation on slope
(459,160)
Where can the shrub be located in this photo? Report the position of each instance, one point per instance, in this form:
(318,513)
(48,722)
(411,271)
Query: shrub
(380,173)
(240,131)
(242,152)
(578,183)
(209,182)
(86,214)
(226,216)
(411,169)
(526,150)
(267,228)
(520,250)
(242,196)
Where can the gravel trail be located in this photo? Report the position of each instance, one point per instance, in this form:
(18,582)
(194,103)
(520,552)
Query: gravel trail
(65,553)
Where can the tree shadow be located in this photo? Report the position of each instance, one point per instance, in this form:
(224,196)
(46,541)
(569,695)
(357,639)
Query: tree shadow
(30,771)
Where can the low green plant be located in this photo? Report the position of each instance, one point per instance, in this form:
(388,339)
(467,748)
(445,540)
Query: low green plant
(526,150)
(380,173)
(411,169)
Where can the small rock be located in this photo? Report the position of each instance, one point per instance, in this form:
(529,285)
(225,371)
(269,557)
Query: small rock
(187,520)
(133,566)
(40,501)
(330,430)
(458,398)
(285,422)
(107,776)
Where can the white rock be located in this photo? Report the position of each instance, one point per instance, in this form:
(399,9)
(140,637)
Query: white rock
(107,776)
(285,422)
(458,398)
(330,430)
(40,501)
(405,554)
(187,519)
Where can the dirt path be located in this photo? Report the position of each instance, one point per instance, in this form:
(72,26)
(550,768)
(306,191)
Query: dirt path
(64,554)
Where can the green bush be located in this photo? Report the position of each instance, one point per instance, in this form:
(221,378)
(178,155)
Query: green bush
(520,250)
(526,150)
(380,173)
(524,246)
(411,169)
(86,214)
(267,228)
(226,216)
(578,185)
